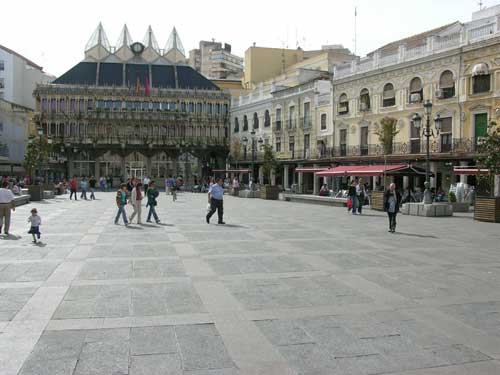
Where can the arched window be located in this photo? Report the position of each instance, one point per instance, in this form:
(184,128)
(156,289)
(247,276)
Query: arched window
(245,123)
(267,119)
(62,105)
(388,96)
(236,125)
(364,100)
(199,107)
(481,78)
(447,85)
(343,105)
(416,90)
(255,120)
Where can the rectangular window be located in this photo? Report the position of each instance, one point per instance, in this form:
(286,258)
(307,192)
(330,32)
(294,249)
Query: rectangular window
(323,121)
(343,142)
(364,141)
(82,106)
(291,147)
(481,83)
(278,119)
(2,65)
(291,117)
(307,116)
(414,139)
(2,83)
(307,146)
(278,144)
(446,133)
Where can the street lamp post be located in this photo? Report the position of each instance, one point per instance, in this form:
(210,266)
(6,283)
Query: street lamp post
(40,136)
(427,133)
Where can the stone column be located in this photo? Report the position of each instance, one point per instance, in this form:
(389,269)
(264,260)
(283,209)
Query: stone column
(273,177)
(122,167)
(261,175)
(97,169)
(433,170)
(463,177)
(71,166)
(315,182)
(301,181)
(406,182)
(285,177)
(148,166)
(174,167)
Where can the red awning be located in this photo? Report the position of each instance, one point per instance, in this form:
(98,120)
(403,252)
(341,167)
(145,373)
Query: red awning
(361,170)
(232,170)
(471,171)
(309,169)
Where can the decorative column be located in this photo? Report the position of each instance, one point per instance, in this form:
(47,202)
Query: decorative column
(316,182)
(406,182)
(463,177)
(434,171)
(286,185)
(301,180)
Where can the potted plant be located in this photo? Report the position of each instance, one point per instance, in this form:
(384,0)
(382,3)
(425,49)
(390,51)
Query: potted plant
(269,191)
(487,204)
(386,133)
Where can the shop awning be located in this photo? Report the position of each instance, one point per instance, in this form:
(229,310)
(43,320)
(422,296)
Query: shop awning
(309,169)
(371,170)
(471,171)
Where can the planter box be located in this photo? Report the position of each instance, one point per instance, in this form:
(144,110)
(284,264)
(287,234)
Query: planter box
(269,192)
(487,209)
(35,192)
(377,201)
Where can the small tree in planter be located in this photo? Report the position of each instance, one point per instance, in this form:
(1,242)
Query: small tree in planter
(37,153)
(386,134)
(269,165)
(488,208)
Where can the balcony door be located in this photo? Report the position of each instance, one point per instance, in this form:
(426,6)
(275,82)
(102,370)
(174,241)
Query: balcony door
(480,126)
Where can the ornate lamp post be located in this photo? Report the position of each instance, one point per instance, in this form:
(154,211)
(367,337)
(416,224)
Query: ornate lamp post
(427,133)
(39,130)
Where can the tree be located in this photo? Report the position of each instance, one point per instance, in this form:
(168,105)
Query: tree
(235,149)
(386,133)
(489,155)
(37,153)
(269,163)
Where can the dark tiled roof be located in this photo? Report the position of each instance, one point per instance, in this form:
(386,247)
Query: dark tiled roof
(111,74)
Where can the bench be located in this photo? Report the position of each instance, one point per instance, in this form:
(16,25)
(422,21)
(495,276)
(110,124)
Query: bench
(249,194)
(21,199)
(314,199)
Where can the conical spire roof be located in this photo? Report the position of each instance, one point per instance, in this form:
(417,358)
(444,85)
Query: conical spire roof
(150,39)
(124,39)
(174,43)
(98,38)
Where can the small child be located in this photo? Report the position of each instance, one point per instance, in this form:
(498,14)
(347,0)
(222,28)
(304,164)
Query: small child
(35,221)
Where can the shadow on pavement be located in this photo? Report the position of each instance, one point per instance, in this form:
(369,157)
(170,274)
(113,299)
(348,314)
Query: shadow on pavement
(40,244)
(11,237)
(233,226)
(149,225)
(130,226)
(166,225)
(415,235)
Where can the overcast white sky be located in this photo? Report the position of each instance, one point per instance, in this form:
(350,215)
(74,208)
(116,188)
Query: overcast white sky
(54,33)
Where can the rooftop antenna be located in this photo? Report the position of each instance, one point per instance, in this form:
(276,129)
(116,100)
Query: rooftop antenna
(355,28)
(283,62)
(287,36)
(296,38)
(480,3)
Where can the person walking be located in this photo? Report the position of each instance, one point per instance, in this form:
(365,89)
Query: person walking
(152,194)
(145,182)
(392,202)
(215,198)
(92,183)
(73,188)
(167,185)
(353,197)
(136,200)
(361,195)
(35,221)
(173,188)
(121,202)
(83,186)
(6,204)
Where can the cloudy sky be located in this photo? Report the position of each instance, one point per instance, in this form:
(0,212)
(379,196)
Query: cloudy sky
(54,33)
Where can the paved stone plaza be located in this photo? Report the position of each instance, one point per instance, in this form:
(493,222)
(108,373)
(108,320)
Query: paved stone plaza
(284,288)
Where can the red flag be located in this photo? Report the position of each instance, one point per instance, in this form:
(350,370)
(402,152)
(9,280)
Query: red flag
(147,89)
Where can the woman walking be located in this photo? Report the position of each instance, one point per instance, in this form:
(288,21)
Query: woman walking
(392,201)
(73,188)
(152,194)
(136,199)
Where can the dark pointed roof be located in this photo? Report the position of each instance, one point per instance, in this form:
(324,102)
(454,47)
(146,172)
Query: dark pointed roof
(113,74)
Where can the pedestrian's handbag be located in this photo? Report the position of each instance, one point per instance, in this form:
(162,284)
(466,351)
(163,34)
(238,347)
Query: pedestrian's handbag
(349,203)
(209,207)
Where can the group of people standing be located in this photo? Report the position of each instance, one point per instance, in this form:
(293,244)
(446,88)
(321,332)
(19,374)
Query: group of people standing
(358,196)
(85,185)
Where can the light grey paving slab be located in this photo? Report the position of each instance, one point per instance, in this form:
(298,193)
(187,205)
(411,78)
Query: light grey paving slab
(155,364)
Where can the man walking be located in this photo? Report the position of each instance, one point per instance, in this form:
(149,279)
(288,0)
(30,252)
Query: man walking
(353,196)
(392,201)
(145,182)
(215,196)
(73,188)
(83,186)
(121,202)
(92,183)
(152,194)
(6,204)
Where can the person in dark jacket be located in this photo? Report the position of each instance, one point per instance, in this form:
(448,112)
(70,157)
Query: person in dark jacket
(152,194)
(392,202)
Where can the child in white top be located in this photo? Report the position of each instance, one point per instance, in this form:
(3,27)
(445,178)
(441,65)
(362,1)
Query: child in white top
(35,221)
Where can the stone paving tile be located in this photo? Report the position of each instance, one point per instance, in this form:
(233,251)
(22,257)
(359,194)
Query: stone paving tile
(279,264)
(26,271)
(13,300)
(484,316)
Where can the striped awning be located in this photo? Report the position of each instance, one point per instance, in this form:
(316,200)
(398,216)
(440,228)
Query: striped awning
(470,171)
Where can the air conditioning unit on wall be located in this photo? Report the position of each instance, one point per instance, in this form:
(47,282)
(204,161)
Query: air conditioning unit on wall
(439,93)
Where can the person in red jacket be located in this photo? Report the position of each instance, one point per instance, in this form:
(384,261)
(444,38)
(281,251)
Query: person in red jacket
(73,188)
